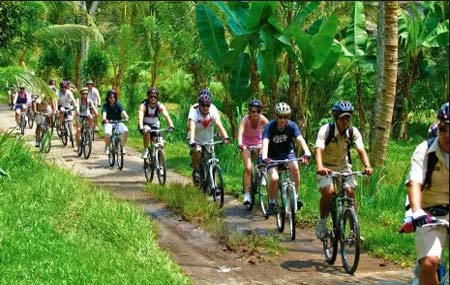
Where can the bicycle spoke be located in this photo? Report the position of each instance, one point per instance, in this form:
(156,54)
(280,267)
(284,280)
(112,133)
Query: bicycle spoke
(330,243)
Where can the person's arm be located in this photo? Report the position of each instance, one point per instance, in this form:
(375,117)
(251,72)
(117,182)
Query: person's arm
(141,116)
(301,141)
(415,195)
(222,130)
(318,154)
(365,161)
(75,103)
(240,132)
(191,131)
(125,115)
(265,149)
(99,99)
(166,115)
(15,98)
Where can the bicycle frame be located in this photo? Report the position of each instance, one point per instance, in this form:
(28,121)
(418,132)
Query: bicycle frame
(152,162)
(209,164)
(115,145)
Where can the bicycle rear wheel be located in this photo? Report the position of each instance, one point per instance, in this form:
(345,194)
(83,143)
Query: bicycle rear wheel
(290,209)
(262,190)
(111,154)
(281,212)
(161,167)
(119,152)
(330,242)
(350,241)
(87,142)
(46,141)
(217,186)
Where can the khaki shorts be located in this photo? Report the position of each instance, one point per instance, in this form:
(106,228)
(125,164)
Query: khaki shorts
(325,181)
(430,241)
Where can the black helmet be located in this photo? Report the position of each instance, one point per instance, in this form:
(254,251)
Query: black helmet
(443,113)
(342,108)
(204,91)
(111,92)
(255,103)
(152,90)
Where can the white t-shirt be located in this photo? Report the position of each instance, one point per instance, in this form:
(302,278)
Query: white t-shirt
(204,131)
(66,100)
(94,95)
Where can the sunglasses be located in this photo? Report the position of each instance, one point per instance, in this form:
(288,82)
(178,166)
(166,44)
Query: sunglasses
(255,111)
(153,96)
(283,117)
(443,130)
(205,105)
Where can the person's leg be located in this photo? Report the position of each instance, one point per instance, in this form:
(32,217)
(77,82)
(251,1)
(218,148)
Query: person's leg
(246,160)
(326,189)
(108,132)
(77,131)
(17,115)
(428,270)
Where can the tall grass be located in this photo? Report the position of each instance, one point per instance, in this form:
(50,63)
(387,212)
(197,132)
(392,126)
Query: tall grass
(56,228)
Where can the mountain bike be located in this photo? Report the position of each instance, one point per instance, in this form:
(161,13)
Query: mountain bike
(210,173)
(343,226)
(155,159)
(22,122)
(86,137)
(66,130)
(46,134)
(115,145)
(30,116)
(255,177)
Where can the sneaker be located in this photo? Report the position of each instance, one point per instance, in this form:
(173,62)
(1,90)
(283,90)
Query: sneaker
(124,151)
(107,150)
(144,153)
(361,238)
(321,230)
(247,198)
(272,209)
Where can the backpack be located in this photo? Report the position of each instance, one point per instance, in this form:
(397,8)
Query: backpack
(156,108)
(330,137)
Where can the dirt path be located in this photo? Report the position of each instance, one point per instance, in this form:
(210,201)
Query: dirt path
(203,258)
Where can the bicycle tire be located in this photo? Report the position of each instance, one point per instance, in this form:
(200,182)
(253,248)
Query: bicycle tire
(290,189)
(119,153)
(46,141)
(161,167)
(22,124)
(70,133)
(148,170)
(87,143)
(64,134)
(217,186)
(281,212)
(330,242)
(111,154)
(263,193)
(81,143)
(30,118)
(253,188)
(350,241)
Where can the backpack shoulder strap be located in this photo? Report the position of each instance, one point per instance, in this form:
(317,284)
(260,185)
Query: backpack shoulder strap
(350,143)
(431,163)
(330,135)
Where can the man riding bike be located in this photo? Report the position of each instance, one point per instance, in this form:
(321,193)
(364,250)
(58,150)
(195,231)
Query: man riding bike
(332,153)
(113,110)
(201,118)
(250,135)
(43,106)
(148,116)
(66,101)
(278,137)
(428,192)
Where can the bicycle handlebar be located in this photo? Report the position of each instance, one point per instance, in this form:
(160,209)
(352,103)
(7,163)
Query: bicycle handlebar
(211,143)
(347,174)
(158,130)
(278,162)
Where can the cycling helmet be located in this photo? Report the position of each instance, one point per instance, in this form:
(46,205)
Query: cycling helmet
(342,108)
(443,113)
(84,90)
(90,82)
(204,92)
(204,99)
(255,103)
(282,109)
(152,90)
(111,92)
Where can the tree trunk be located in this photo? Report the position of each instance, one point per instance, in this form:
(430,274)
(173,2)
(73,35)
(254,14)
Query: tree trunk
(383,118)
(360,105)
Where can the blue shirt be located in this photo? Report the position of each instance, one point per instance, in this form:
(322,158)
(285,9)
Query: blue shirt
(113,112)
(281,142)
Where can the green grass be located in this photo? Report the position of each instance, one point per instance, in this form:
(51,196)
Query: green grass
(56,228)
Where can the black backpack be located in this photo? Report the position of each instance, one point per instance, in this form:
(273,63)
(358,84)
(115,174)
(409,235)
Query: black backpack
(431,163)
(330,137)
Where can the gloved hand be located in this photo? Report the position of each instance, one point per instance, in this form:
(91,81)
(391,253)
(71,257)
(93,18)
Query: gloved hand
(420,217)
(267,160)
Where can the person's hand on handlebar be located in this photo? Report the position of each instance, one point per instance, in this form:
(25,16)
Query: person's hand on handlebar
(324,171)
(226,140)
(267,160)
(305,159)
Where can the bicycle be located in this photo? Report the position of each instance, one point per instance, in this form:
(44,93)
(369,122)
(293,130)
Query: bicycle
(286,196)
(210,173)
(46,134)
(86,137)
(66,130)
(255,177)
(343,225)
(155,160)
(22,122)
(30,116)
(115,146)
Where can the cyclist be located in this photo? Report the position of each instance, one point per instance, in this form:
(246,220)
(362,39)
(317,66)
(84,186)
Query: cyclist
(52,85)
(66,101)
(201,118)
(332,153)
(43,105)
(21,101)
(278,136)
(428,192)
(148,116)
(85,109)
(250,135)
(113,110)
(11,93)
(94,95)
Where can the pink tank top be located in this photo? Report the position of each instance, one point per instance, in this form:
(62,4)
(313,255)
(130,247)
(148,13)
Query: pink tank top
(252,136)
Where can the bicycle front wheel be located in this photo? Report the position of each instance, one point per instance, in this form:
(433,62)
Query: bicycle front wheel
(22,125)
(87,144)
(330,242)
(64,135)
(217,186)
(46,141)
(281,212)
(290,209)
(30,119)
(81,143)
(70,132)
(161,167)
(262,191)
(350,241)
(119,152)
(111,154)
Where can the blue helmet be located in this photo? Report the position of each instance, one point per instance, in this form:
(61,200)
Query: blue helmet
(443,113)
(255,103)
(341,108)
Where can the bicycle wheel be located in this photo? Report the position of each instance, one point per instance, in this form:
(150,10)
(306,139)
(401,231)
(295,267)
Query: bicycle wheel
(22,124)
(70,132)
(217,186)
(290,209)
(281,212)
(46,141)
(119,152)
(262,190)
(64,134)
(87,144)
(350,241)
(253,188)
(81,143)
(148,169)
(330,242)
(30,117)
(161,167)
(111,154)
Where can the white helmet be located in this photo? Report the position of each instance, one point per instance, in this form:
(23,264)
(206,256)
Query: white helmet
(282,109)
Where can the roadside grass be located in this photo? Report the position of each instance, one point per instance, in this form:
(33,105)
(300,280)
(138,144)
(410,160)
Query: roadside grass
(194,206)
(57,228)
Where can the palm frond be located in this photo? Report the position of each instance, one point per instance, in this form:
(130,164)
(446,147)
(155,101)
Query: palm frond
(69,32)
